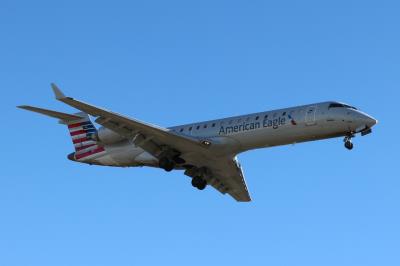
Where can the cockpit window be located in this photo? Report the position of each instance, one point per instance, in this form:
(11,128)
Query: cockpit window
(340,105)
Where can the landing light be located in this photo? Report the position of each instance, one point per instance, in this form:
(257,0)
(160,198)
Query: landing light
(206,143)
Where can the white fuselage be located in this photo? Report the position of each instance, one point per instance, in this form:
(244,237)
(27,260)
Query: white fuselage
(233,135)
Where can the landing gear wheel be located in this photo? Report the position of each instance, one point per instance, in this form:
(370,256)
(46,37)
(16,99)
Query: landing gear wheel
(199,183)
(202,186)
(347,142)
(349,145)
(166,164)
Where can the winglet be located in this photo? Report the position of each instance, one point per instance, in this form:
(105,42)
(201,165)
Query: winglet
(57,92)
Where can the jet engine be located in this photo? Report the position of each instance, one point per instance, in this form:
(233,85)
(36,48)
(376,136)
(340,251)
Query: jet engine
(107,136)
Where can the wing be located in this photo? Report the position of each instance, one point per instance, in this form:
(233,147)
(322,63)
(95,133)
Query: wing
(129,127)
(230,174)
(225,173)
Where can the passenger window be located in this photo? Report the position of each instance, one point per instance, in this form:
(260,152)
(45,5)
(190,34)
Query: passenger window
(213,125)
(284,113)
(198,127)
(190,128)
(181,130)
(257,117)
(266,117)
(205,126)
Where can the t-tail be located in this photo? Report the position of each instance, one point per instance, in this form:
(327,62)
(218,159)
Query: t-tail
(81,130)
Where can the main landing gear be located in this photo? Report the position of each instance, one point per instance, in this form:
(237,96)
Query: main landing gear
(199,183)
(199,176)
(166,164)
(169,163)
(348,143)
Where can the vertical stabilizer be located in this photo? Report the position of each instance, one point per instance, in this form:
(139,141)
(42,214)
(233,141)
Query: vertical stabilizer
(82,132)
(80,128)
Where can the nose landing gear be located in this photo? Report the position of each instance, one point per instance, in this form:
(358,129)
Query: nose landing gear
(348,143)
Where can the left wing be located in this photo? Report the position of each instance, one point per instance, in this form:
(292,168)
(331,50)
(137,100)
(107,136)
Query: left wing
(230,174)
(225,173)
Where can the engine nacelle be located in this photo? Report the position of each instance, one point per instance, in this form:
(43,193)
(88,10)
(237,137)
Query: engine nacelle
(107,136)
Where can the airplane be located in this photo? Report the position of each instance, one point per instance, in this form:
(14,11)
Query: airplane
(205,151)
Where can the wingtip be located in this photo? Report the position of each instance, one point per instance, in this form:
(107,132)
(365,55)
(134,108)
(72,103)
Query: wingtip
(57,92)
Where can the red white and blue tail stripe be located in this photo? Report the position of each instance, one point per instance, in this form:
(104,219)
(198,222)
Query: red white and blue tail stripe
(82,132)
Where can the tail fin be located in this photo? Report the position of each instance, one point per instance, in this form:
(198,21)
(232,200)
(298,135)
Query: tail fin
(81,130)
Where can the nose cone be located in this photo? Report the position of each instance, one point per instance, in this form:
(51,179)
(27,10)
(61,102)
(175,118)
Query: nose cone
(369,120)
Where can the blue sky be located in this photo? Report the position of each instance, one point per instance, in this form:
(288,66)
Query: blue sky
(173,62)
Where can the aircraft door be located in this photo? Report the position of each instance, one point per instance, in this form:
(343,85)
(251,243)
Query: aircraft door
(310,115)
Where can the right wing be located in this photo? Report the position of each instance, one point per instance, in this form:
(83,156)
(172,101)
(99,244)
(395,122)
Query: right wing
(131,128)
(225,172)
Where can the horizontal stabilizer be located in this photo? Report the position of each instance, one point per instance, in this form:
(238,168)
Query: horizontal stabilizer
(63,116)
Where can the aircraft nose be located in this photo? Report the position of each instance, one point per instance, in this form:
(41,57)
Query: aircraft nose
(369,120)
